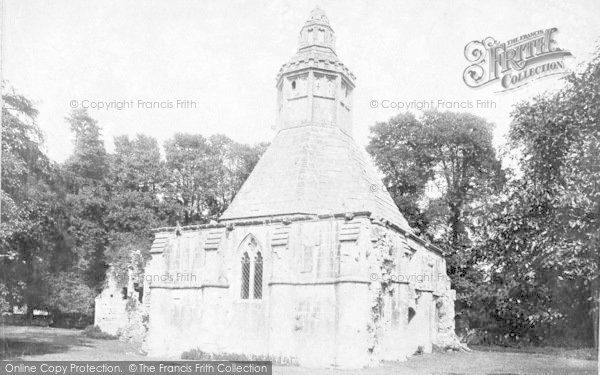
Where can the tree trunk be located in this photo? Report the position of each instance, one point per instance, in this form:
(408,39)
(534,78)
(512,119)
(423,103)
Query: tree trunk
(455,226)
(29,313)
(597,325)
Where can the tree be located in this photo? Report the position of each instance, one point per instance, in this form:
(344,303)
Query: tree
(62,225)
(460,146)
(136,179)
(188,175)
(232,164)
(203,175)
(136,165)
(545,231)
(85,172)
(33,238)
(89,160)
(399,149)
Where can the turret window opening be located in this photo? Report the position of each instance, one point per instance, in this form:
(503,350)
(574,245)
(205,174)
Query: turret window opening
(321,36)
(328,88)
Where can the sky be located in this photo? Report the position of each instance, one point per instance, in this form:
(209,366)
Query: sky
(224,56)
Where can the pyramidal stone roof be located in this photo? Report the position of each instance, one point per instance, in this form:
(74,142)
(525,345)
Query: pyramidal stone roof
(313,170)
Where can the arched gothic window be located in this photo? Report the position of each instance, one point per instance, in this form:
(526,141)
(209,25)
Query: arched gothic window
(251,270)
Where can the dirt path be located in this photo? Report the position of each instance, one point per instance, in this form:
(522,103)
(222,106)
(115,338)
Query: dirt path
(36,343)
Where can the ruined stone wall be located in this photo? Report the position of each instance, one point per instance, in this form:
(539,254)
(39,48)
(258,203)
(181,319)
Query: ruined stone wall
(110,313)
(118,311)
(412,301)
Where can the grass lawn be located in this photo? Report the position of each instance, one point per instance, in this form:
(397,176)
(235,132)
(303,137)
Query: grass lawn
(41,343)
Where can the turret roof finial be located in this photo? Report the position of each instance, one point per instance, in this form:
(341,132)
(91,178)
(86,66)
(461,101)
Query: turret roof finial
(317,16)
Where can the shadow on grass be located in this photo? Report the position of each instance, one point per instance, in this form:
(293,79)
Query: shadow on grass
(13,348)
(588,354)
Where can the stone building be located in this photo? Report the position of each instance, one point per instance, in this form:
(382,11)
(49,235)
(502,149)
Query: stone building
(312,262)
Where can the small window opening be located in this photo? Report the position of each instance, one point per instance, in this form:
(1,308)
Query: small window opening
(139,290)
(411,314)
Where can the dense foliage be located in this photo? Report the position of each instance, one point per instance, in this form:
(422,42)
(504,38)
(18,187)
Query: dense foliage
(522,243)
(62,225)
(542,236)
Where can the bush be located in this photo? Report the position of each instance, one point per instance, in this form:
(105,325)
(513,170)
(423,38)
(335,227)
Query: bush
(4,305)
(199,355)
(95,332)
(67,292)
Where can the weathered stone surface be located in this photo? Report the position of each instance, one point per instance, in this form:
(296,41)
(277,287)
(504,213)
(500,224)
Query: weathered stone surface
(119,310)
(336,303)
(313,170)
(110,314)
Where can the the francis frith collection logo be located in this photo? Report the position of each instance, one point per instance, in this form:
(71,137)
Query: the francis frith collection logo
(516,62)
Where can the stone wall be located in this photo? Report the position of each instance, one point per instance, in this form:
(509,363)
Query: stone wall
(335,292)
(110,313)
(118,310)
